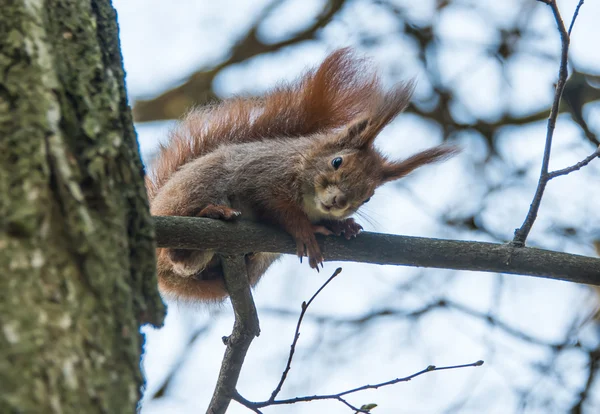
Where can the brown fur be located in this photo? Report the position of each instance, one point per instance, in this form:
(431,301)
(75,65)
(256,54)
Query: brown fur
(323,99)
(301,158)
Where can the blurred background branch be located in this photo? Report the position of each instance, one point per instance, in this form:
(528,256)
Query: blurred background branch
(198,89)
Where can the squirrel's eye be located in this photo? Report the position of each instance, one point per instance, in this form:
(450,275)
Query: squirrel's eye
(367,200)
(336,162)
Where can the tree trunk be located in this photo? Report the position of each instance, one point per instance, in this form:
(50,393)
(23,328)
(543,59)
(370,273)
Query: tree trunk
(76,239)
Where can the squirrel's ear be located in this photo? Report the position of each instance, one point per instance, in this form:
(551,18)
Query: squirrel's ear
(385,108)
(352,136)
(392,170)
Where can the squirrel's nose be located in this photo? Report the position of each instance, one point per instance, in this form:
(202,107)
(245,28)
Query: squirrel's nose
(340,201)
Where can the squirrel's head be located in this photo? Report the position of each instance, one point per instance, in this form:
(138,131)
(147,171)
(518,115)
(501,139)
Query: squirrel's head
(344,170)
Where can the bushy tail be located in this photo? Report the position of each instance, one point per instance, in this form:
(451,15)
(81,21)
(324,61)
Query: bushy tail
(341,89)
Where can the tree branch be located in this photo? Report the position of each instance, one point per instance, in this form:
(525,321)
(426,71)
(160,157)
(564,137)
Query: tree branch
(400,313)
(254,406)
(183,357)
(574,167)
(245,328)
(305,306)
(522,232)
(575,16)
(339,396)
(244,237)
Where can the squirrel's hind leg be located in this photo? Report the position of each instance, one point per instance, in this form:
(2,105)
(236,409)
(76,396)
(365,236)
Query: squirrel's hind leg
(219,212)
(190,262)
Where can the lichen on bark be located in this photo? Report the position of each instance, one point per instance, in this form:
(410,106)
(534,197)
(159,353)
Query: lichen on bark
(76,239)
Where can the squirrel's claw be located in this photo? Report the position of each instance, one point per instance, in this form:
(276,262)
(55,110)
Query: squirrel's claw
(309,247)
(348,227)
(351,228)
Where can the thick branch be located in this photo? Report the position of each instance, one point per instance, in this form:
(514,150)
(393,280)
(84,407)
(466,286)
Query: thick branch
(243,237)
(245,328)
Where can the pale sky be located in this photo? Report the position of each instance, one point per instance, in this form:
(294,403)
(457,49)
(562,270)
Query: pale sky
(163,42)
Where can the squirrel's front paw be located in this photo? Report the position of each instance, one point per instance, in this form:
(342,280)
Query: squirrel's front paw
(308,246)
(348,226)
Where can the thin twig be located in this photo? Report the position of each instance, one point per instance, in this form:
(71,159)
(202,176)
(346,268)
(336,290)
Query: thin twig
(586,392)
(339,396)
(421,311)
(574,167)
(305,306)
(575,16)
(430,368)
(522,232)
(177,366)
(245,328)
(246,403)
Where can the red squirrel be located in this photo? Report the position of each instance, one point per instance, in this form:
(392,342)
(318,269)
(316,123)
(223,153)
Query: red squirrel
(301,158)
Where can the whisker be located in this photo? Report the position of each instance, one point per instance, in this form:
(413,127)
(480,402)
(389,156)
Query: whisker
(368,218)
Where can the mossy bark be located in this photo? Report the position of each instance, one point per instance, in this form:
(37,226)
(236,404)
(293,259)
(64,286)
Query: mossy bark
(76,239)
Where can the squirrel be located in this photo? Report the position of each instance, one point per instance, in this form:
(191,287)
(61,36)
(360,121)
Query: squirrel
(301,158)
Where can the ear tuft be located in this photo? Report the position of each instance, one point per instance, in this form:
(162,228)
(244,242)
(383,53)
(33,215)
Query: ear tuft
(398,169)
(386,108)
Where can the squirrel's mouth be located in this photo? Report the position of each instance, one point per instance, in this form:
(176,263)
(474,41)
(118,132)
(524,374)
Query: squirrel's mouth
(333,211)
(326,207)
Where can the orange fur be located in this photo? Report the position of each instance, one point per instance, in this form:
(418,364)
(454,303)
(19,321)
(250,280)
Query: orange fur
(330,97)
(301,158)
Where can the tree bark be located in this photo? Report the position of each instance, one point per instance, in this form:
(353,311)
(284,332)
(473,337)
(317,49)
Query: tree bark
(242,237)
(76,237)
